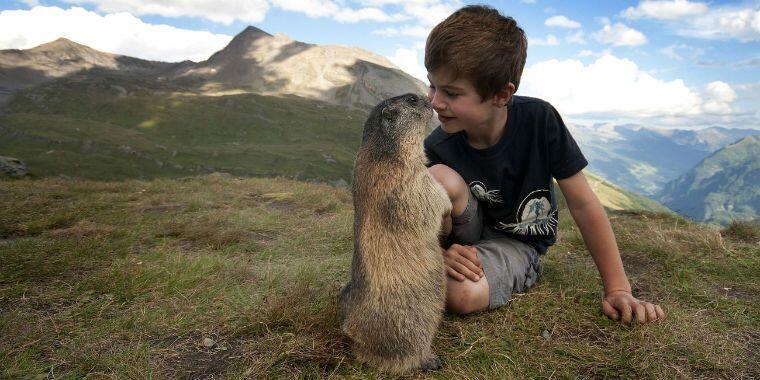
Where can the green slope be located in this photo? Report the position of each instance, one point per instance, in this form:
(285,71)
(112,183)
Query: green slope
(120,128)
(723,187)
(616,198)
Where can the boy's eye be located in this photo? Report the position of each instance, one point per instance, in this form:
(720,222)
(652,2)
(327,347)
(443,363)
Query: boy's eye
(451,94)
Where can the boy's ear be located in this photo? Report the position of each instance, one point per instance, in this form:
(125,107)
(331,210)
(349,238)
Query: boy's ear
(502,97)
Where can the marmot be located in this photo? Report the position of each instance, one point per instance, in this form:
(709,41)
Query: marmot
(393,304)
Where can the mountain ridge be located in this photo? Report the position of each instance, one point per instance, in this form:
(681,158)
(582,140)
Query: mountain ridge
(253,61)
(725,186)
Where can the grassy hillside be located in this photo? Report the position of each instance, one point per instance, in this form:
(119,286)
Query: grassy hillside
(121,128)
(725,186)
(616,198)
(130,279)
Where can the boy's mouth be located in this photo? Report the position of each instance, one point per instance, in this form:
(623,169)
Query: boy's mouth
(444,119)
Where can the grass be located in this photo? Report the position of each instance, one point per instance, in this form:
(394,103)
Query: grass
(127,279)
(85,128)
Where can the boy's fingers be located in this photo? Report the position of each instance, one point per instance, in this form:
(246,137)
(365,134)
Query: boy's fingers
(454,274)
(464,261)
(610,311)
(651,313)
(626,311)
(660,313)
(641,313)
(465,271)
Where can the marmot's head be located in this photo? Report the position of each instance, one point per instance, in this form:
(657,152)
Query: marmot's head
(397,123)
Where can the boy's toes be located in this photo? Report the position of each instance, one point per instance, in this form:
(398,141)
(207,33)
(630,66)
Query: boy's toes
(432,364)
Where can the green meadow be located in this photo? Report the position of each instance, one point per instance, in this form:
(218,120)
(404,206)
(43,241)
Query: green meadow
(120,128)
(217,276)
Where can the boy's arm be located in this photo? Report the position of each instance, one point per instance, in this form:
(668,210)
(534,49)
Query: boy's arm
(589,215)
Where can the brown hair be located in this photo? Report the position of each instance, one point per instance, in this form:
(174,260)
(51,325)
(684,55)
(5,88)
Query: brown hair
(478,43)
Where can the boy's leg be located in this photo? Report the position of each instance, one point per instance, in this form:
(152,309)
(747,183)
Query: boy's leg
(465,223)
(463,226)
(510,265)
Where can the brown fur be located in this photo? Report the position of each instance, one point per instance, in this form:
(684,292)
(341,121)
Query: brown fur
(394,302)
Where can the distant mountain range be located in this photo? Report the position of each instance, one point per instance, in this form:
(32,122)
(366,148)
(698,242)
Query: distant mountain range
(253,61)
(723,187)
(644,159)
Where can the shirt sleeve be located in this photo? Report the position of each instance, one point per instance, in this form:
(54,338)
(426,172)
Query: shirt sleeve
(565,157)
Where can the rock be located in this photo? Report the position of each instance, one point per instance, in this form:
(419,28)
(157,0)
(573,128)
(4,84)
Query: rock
(546,334)
(341,183)
(208,342)
(220,175)
(12,167)
(329,158)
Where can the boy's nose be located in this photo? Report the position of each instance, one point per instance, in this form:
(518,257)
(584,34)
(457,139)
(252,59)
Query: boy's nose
(434,101)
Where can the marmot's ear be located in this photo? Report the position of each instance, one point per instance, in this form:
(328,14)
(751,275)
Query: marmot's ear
(387,113)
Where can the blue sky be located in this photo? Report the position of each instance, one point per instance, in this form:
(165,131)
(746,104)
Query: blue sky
(665,62)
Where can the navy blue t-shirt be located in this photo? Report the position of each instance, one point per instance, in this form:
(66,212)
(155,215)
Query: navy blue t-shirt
(513,178)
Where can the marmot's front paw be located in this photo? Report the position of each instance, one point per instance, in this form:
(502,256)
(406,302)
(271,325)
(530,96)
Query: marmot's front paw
(431,364)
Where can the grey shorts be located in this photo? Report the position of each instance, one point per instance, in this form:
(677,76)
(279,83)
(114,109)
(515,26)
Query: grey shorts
(511,266)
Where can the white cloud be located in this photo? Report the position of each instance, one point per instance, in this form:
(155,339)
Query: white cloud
(408,61)
(725,23)
(665,10)
(620,34)
(550,40)
(221,11)
(676,51)
(407,31)
(719,96)
(576,38)
(430,14)
(367,14)
(696,19)
(609,86)
(119,33)
(562,22)
(254,11)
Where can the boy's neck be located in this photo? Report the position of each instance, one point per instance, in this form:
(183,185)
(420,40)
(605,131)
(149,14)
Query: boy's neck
(489,134)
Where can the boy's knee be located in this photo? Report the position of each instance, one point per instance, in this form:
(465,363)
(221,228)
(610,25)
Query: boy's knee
(467,296)
(454,185)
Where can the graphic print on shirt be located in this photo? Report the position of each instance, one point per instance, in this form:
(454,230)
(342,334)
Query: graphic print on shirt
(534,216)
(480,191)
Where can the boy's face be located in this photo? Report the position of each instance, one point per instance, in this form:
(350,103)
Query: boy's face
(457,102)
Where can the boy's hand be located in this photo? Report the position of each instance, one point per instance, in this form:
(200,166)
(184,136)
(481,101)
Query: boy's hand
(461,261)
(623,306)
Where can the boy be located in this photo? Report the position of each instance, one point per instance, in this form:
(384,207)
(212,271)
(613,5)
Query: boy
(495,155)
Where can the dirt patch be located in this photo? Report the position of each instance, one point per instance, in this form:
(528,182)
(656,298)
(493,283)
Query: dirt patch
(195,360)
(737,291)
(254,196)
(81,229)
(325,210)
(274,201)
(635,265)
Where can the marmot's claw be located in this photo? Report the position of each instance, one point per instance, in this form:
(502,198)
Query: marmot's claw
(432,364)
